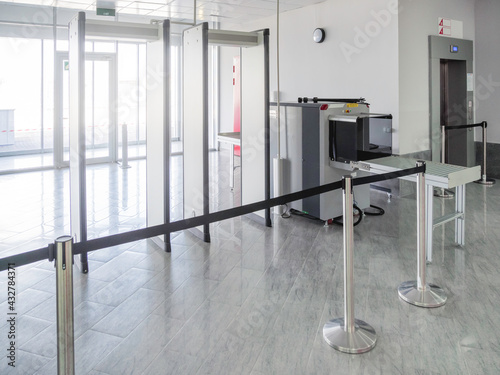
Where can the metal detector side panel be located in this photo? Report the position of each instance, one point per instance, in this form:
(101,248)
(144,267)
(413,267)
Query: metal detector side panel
(291,149)
(78,203)
(254,114)
(158,129)
(195,115)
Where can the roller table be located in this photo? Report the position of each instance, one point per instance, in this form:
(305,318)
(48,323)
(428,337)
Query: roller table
(437,175)
(234,139)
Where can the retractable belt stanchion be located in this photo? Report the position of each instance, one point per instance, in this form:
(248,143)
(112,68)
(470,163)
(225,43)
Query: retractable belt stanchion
(347,334)
(419,292)
(442,192)
(64,298)
(484,180)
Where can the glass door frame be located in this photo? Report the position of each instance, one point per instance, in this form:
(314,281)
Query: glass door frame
(60,57)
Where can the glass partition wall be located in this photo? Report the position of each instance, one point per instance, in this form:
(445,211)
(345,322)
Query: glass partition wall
(34,105)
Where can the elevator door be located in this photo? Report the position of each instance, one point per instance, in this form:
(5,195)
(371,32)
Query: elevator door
(454,109)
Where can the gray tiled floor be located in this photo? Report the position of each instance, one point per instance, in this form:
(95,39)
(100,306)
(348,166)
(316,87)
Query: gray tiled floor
(254,301)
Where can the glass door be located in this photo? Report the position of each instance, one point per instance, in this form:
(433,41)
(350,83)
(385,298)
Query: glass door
(100,108)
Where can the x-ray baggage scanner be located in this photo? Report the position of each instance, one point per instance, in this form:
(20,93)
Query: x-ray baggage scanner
(318,142)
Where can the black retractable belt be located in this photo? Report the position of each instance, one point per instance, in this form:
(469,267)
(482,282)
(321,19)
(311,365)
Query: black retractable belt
(157,230)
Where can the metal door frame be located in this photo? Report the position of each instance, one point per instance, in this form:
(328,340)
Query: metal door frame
(440,49)
(59,161)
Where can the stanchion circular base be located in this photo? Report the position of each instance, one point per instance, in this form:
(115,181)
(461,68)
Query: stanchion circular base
(431,296)
(443,193)
(488,181)
(363,338)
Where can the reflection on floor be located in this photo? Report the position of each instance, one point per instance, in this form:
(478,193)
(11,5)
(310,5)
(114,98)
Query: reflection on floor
(15,163)
(253,301)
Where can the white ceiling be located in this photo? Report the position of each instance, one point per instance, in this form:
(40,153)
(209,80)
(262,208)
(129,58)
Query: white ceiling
(183,10)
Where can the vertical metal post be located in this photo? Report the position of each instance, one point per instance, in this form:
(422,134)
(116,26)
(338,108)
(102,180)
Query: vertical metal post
(125,147)
(429,214)
(419,292)
(231,168)
(484,180)
(64,298)
(460,221)
(348,231)
(484,152)
(443,144)
(421,258)
(347,334)
(77,160)
(442,192)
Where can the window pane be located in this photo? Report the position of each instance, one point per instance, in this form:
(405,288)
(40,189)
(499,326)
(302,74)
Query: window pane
(142,94)
(104,46)
(129,93)
(20,95)
(48,95)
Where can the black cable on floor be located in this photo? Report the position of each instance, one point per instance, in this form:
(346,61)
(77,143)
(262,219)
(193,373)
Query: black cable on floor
(380,211)
(305,214)
(338,220)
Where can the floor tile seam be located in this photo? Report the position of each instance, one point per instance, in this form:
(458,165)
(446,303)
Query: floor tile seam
(27,313)
(38,304)
(101,303)
(267,268)
(325,308)
(94,329)
(183,284)
(116,307)
(156,270)
(154,359)
(226,330)
(143,269)
(250,291)
(187,322)
(164,289)
(130,334)
(41,355)
(214,348)
(217,302)
(33,354)
(306,256)
(287,299)
(205,359)
(97,303)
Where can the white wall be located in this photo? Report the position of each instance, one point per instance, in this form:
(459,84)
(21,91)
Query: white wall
(417,20)
(487,93)
(332,69)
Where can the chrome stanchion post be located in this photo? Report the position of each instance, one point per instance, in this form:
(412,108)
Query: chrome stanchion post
(484,180)
(347,334)
(442,192)
(419,292)
(64,298)
(124,147)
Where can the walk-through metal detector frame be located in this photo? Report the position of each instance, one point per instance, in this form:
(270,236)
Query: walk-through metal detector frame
(255,155)
(440,49)
(158,123)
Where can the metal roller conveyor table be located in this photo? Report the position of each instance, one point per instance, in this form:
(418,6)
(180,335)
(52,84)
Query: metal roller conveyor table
(439,175)
(234,139)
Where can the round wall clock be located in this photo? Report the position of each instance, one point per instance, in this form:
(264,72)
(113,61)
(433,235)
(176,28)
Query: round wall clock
(319,35)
